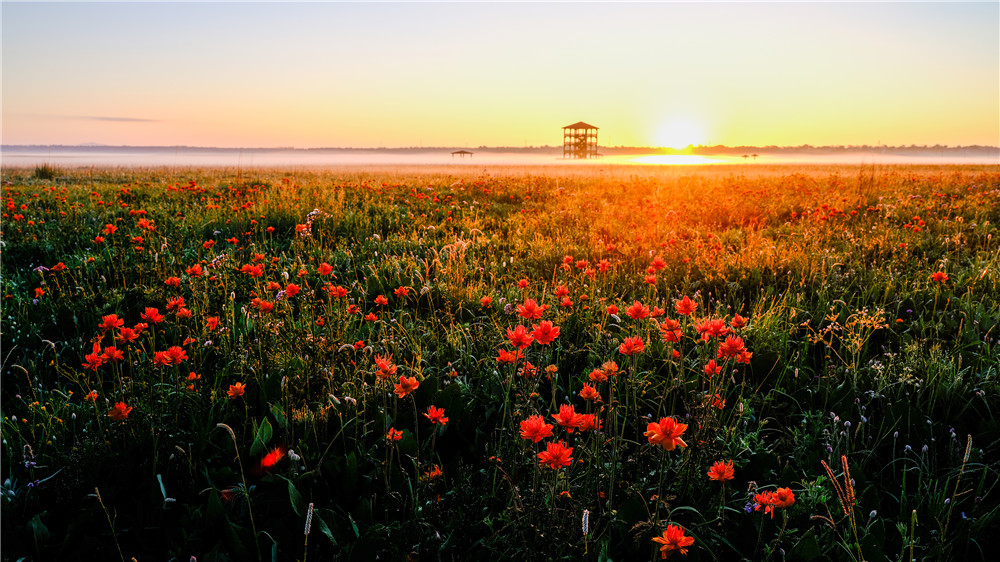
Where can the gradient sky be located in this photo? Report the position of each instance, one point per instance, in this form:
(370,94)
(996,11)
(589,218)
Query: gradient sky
(323,74)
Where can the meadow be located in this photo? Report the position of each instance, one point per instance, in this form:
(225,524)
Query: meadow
(743,362)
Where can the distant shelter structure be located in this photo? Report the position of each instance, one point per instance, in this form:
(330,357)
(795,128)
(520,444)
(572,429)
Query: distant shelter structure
(461,154)
(580,141)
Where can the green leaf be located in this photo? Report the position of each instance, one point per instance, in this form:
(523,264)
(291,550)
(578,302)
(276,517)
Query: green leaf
(279,416)
(296,499)
(262,438)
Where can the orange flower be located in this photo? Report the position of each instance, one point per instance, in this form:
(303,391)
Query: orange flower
(195,270)
(522,284)
(670,331)
(381,300)
(637,311)
(939,276)
(598,375)
(556,455)
(632,345)
(292,289)
(535,428)
(658,263)
(519,337)
(436,415)
(764,499)
(236,390)
(212,322)
(401,292)
(711,328)
(667,433)
(485,301)
(175,303)
(673,539)
(393,435)
(325,269)
(530,310)
(110,321)
(612,309)
(588,422)
(545,332)
(91,396)
(406,386)
(119,412)
(721,471)
(173,281)
(711,369)
(685,306)
(39,292)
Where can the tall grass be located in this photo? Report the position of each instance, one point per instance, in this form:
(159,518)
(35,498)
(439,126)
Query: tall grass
(866,298)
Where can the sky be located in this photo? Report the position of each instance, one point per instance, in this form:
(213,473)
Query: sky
(462,74)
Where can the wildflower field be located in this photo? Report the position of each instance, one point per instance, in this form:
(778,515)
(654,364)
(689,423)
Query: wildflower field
(555,363)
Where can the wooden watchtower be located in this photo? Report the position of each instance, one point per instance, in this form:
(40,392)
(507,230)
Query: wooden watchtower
(580,141)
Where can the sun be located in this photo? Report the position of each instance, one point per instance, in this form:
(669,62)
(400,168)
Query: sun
(680,132)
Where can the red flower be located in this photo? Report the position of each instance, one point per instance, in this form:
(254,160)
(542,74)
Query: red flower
(714,328)
(519,337)
(530,310)
(436,415)
(738,322)
(272,458)
(732,347)
(589,392)
(212,322)
(406,386)
(91,396)
(433,473)
(175,302)
(721,471)
(112,354)
(151,315)
(658,263)
(393,435)
(504,356)
(381,300)
(522,284)
(711,369)
(535,428)
(764,499)
(110,321)
(567,418)
(325,269)
(667,433)
(119,412)
(401,292)
(783,497)
(612,309)
(673,539)
(370,317)
(939,276)
(637,311)
(589,422)
(670,331)
(236,390)
(253,270)
(386,369)
(126,335)
(173,281)
(685,306)
(292,289)
(631,346)
(194,271)
(598,375)
(485,301)
(556,455)
(95,359)
(545,332)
